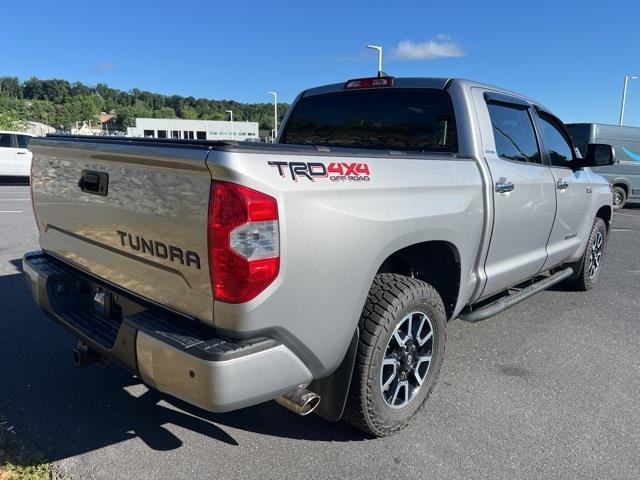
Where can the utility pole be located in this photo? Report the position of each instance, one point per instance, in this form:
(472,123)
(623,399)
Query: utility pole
(624,95)
(379,49)
(275,115)
(230,112)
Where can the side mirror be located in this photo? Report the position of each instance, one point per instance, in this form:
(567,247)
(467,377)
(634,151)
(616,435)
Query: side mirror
(599,155)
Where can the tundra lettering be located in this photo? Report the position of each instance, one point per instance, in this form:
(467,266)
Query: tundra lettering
(159,249)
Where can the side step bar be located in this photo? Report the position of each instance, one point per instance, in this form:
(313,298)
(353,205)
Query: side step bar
(503,303)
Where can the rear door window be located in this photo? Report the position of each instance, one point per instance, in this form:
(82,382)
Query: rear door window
(23,141)
(513,132)
(403,119)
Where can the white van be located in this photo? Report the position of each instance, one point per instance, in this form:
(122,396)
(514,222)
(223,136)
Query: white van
(15,156)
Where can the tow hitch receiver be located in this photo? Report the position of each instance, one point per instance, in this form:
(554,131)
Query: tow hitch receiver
(84,355)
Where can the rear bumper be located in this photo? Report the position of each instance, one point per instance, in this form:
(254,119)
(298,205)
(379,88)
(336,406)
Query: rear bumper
(171,353)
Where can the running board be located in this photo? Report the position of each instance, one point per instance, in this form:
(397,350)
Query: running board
(510,300)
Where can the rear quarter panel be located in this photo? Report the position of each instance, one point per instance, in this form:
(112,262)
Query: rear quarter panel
(336,234)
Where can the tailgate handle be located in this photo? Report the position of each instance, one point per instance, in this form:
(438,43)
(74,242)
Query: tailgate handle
(96,183)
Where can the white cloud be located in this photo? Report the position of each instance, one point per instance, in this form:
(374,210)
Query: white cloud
(442,47)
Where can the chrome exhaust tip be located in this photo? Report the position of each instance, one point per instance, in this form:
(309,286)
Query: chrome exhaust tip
(300,401)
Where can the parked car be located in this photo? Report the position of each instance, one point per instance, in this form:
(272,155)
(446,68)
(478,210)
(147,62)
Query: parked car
(624,175)
(320,271)
(15,157)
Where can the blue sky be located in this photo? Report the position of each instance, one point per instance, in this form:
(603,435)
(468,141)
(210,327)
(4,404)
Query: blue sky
(570,55)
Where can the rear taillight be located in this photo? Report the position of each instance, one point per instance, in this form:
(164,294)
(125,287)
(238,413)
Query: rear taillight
(244,243)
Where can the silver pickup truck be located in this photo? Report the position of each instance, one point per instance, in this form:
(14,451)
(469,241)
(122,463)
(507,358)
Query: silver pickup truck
(319,271)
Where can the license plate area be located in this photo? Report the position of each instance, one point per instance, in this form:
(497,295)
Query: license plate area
(87,307)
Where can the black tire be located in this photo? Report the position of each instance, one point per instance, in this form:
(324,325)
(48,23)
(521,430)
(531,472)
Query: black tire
(619,197)
(392,300)
(587,278)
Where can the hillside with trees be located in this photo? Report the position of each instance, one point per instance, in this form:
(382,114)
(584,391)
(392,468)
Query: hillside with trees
(61,104)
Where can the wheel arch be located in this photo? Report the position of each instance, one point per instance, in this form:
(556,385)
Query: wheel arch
(436,262)
(426,261)
(605,212)
(624,184)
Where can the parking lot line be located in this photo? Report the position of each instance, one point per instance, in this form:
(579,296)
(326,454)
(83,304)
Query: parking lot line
(627,215)
(11,211)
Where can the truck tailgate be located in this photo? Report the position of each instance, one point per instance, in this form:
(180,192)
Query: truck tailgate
(131,213)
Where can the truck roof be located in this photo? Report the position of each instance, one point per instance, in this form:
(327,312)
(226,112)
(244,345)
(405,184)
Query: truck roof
(406,82)
(426,82)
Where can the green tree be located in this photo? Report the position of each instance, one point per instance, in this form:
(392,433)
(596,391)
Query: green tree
(10,120)
(11,86)
(58,103)
(188,112)
(165,112)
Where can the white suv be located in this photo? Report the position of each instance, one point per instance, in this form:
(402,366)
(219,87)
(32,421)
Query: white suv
(15,157)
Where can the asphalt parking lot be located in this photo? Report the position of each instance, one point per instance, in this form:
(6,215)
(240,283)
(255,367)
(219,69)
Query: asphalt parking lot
(548,389)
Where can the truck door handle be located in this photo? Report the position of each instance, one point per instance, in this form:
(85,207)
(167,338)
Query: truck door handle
(504,186)
(562,184)
(21,153)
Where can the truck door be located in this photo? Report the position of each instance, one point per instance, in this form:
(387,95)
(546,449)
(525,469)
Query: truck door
(523,194)
(23,155)
(573,193)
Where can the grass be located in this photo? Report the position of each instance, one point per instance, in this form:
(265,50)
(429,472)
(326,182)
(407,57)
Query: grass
(16,461)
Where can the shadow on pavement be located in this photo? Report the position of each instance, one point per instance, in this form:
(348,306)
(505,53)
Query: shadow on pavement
(65,411)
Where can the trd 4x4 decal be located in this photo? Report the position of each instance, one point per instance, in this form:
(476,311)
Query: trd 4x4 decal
(335,171)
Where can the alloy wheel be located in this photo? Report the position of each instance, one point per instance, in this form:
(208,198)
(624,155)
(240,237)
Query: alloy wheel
(595,255)
(407,358)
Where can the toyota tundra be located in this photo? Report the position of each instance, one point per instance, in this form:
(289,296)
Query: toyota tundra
(320,271)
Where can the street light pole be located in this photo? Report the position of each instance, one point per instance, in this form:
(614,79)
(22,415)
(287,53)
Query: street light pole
(230,112)
(379,49)
(275,115)
(624,95)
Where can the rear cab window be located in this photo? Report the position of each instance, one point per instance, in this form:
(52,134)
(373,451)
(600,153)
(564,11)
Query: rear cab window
(419,120)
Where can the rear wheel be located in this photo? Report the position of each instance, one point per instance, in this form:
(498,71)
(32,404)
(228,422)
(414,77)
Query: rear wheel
(402,337)
(619,197)
(593,257)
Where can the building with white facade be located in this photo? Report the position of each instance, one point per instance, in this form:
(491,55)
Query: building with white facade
(194,129)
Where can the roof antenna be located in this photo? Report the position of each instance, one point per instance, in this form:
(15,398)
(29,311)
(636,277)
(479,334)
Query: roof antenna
(379,49)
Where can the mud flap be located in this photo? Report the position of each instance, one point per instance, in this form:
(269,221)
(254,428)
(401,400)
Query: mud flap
(334,389)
